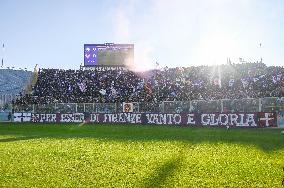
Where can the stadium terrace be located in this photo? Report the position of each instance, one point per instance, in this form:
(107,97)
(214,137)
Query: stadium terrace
(228,94)
(235,81)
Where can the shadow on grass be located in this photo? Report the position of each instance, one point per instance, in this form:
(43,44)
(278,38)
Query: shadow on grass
(20,138)
(266,139)
(161,173)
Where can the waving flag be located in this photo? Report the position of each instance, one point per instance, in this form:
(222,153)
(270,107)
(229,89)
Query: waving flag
(82,86)
(231,82)
(276,78)
(255,79)
(217,82)
(148,89)
(245,82)
(102,91)
(113,91)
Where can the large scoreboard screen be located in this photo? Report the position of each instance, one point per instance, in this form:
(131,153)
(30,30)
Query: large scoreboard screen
(108,54)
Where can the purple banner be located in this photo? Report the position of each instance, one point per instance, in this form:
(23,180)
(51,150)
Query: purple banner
(261,119)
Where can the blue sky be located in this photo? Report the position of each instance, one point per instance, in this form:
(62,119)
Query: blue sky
(174,33)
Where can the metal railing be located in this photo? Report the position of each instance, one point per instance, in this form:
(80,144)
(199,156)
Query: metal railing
(6,99)
(269,104)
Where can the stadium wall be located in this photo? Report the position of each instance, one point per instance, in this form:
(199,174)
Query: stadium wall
(5,116)
(280,119)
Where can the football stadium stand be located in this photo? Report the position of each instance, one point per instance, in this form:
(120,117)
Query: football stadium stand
(242,90)
(230,81)
(231,87)
(12,83)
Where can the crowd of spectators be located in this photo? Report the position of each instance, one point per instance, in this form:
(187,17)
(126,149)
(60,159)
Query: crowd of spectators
(229,81)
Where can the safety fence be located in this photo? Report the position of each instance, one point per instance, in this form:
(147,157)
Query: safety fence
(270,104)
(6,99)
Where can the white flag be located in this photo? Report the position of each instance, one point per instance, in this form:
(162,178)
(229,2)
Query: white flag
(255,79)
(102,91)
(231,82)
(244,82)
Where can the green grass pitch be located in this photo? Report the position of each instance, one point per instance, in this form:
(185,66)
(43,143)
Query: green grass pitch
(69,155)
